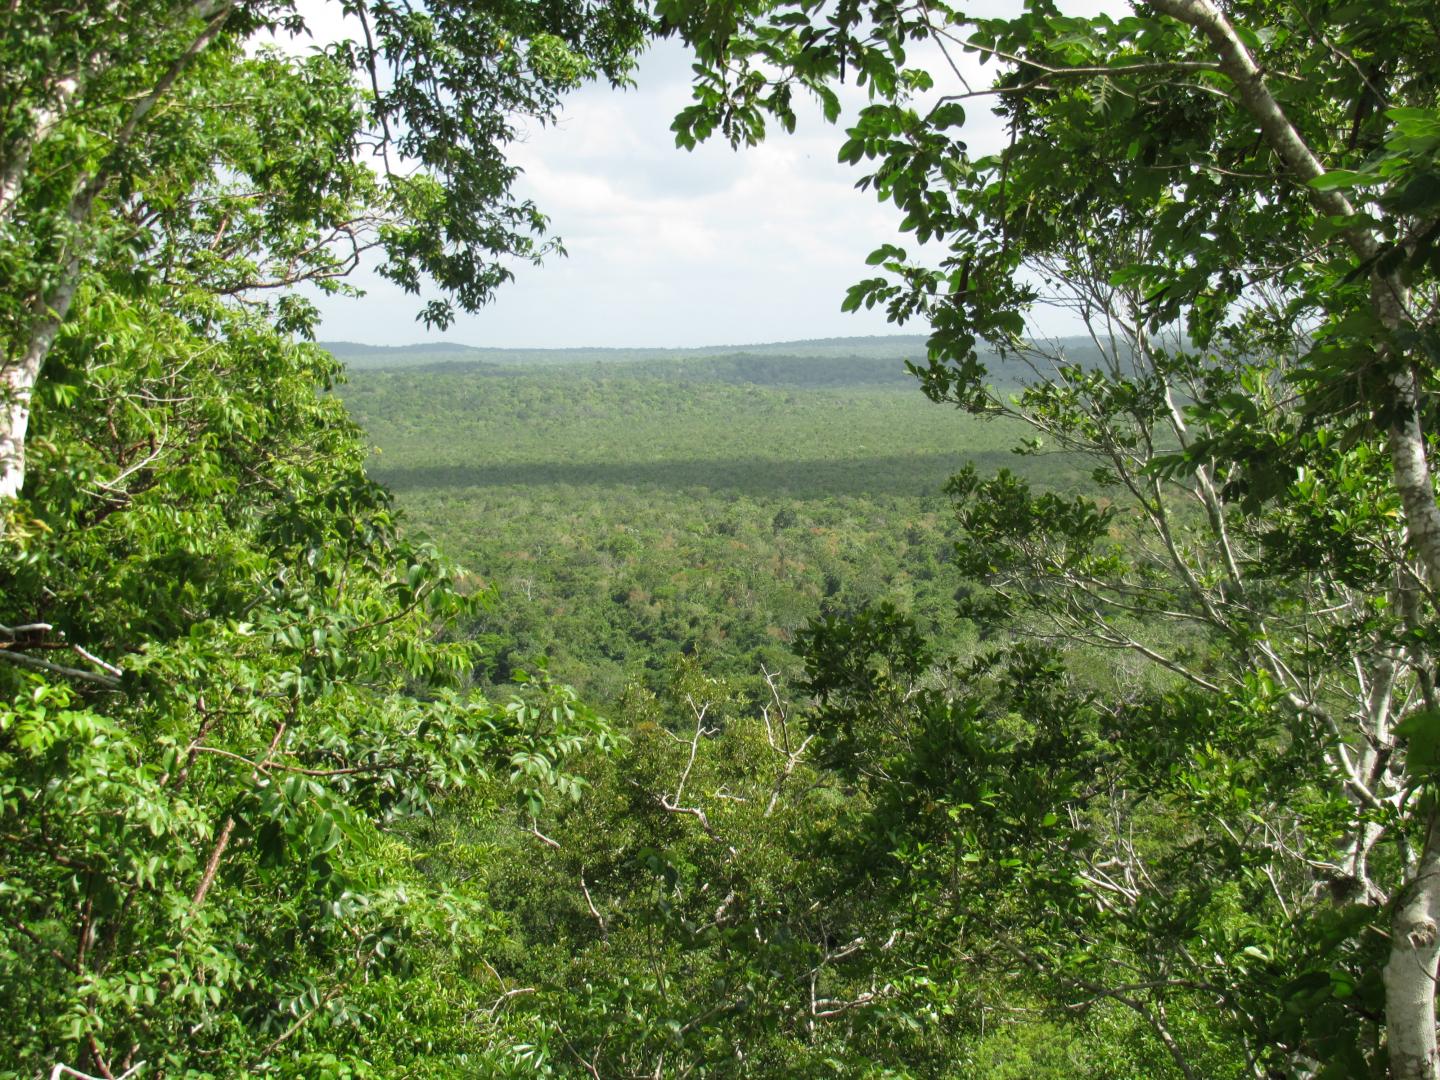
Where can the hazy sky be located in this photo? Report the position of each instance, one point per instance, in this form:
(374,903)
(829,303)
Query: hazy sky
(668,247)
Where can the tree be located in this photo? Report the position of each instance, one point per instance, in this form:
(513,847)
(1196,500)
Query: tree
(1262,178)
(101,96)
(206,803)
(1007,832)
(714,908)
(229,692)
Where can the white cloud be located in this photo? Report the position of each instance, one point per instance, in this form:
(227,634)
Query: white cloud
(669,248)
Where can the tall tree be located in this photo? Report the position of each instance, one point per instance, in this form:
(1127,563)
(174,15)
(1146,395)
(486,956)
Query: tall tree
(1278,163)
(409,157)
(225,707)
(228,690)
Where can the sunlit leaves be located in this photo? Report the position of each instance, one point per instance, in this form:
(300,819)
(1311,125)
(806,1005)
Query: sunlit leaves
(287,703)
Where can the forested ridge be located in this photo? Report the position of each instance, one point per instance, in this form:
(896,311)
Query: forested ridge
(963,703)
(363,357)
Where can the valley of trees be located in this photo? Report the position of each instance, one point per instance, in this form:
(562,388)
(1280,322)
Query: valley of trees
(1033,709)
(618,517)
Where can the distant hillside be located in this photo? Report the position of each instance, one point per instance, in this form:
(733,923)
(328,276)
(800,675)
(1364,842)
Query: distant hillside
(832,362)
(347,349)
(360,357)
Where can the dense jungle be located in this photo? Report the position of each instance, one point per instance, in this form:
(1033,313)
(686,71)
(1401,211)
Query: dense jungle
(968,701)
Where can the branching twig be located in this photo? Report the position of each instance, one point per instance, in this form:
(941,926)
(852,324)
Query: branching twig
(534,830)
(19,659)
(599,919)
(60,1071)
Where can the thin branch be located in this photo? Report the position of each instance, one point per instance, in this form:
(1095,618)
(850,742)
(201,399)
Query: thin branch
(36,940)
(370,54)
(599,919)
(329,996)
(535,831)
(280,766)
(217,852)
(85,654)
(109,682)
(60,1071)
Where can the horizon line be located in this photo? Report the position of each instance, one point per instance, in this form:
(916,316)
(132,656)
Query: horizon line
(445,344)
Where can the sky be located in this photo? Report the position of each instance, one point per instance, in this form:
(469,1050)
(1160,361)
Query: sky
(669,248)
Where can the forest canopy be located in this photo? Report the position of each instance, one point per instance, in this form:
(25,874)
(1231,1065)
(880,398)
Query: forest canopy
(1138,779)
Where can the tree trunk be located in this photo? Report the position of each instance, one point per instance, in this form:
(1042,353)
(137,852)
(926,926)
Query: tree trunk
(16,385)
(17,154)
(1411,971)
(18,378)
(1414,481)
(18,375)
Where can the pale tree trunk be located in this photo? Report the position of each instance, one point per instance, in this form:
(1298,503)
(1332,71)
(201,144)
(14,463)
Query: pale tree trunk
(18,374)
(1389,297)
(17,155)
(1410,974)
(17,384)
(1411,469)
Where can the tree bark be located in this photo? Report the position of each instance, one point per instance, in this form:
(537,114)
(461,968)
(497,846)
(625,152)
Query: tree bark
(1388,295)
(17,154)
(17,383)
(1410,974)
(1411,971)
(19,374)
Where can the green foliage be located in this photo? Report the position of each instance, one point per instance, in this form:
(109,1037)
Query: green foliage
(619,517)
(937,786)
(715,907)
(228,693)
(291,198)
(219,867)
(1261,543)
(257,819)
(610,579)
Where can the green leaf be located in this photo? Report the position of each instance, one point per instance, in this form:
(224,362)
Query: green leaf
(1340,179)
(1419,195)
(1421,730)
